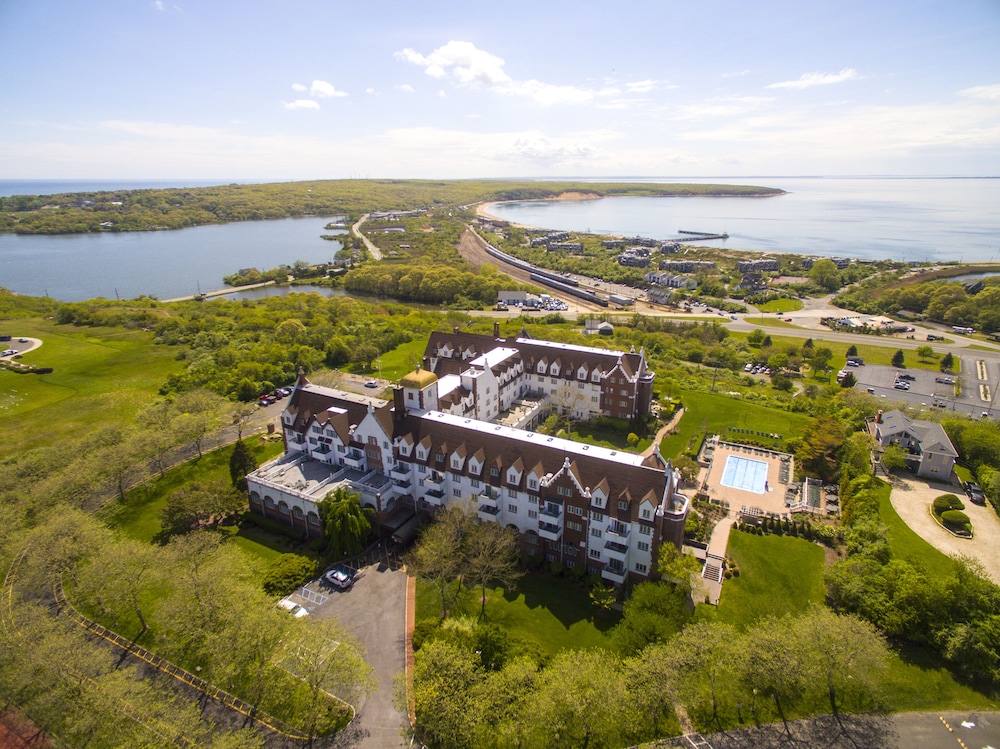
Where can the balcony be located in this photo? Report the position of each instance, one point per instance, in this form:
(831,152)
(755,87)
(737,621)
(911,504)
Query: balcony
(549,531)
(401,471)
(614,575)
(434,497)
(489,513)
(618,532)
(355,460)
(616,550)
(490,497)
(401,483)
(434,481)
(551,513)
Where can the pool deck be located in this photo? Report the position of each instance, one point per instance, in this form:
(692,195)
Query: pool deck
(717,452)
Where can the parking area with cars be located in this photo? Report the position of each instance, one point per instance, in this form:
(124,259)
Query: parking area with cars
(920,387)
(370,600)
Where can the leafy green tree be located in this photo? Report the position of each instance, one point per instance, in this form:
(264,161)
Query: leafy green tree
(947,362)
(241,462)
(898,358)
(437,555)
(925,352)
(824,273)
(755,337)
(848,381)
(820,443)
(346,524)
(653,613)
(199,503)
(894,458)
(852,350)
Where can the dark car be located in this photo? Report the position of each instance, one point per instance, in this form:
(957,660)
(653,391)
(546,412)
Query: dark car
(975,492)
(905,376)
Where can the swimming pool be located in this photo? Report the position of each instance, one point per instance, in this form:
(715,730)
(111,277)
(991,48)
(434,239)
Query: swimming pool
(745,474)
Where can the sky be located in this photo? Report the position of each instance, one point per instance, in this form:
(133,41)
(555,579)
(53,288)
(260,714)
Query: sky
(327,89)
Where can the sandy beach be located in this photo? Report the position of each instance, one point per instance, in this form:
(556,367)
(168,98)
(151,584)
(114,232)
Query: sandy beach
(483,209)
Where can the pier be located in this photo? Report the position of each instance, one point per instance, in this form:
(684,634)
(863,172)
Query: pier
(220,292)
(701,235)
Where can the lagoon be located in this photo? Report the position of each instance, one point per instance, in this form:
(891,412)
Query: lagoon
(165,264)
(900,218)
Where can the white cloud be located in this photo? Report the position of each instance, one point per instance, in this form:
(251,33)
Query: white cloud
(406,88)
(323,90)
(548,93)
(808,80)
(301,104)
(158,4)
(991,93)
(640,87)
(540,148)
(298,87)
(463,60)
(442,94)
(370,90)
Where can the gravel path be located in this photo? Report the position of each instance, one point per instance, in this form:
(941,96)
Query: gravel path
(912,498)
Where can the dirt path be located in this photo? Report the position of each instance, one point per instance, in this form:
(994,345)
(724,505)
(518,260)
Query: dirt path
(664,431)
(912,498)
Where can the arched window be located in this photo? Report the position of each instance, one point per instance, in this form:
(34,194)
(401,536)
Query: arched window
(283,507)
(254,498)
(268,502)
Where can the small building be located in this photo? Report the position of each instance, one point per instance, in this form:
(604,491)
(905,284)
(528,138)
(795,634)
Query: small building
(931,453)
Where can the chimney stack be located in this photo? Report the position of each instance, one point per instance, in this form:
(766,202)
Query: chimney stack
(496,330)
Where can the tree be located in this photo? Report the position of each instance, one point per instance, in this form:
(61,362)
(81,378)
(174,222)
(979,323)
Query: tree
(490,558)
(199,413)
(241,415)
(755,337)
(364,353)
(852,350)
(894,458)
(241,462)
(688,467)
(848,381)
(824,273)
(898,358)
(437,555)
(819,446)
(197,504)
(654,613)
(947,362)
(346,524)
(925,352)
(820,359)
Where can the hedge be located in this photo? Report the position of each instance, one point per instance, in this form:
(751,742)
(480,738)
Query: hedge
(947,502)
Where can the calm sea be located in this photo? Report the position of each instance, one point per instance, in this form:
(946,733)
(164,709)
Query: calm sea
(923,219)
(902,218)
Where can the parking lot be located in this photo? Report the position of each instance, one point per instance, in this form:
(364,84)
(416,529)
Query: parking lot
(374,610)
(924,389)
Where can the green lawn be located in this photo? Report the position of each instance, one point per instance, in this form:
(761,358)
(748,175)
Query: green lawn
(100,376)
(781,305)
(778,575)
(554,614)
(782,574)
(139,516)
(905,543)
(712,413)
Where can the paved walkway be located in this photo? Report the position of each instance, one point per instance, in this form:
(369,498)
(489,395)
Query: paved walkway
(664,431)
(912,497)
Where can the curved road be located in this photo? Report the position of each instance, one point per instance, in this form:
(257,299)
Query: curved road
(375,252)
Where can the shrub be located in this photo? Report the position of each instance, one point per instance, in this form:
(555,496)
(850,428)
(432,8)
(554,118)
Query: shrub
(288,572)
(424,630)
(956,519)
(947,502)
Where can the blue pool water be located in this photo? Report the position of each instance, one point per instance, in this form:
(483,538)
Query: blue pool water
(743,473)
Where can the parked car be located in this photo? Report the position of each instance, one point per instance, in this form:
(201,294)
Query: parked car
(945,380)
(901,385)
(292,608)
(906,376)
(339,578)
(371,384)
(285,392)
(22,340)
(9,352)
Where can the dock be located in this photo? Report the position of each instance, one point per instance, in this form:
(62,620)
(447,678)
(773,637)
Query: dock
(701,234)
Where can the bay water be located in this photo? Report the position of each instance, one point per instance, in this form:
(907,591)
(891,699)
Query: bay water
(921,219)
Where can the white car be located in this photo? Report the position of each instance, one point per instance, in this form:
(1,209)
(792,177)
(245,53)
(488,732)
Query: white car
(338,578)
(292,608)
(9,352)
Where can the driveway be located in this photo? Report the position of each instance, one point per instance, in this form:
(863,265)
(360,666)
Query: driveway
(374,610)
(912,497)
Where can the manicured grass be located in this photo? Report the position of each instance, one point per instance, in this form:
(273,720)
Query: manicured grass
(905,543)
(781,305)
(607,438)
(785,575)
(139,516)
(778,575)
(712,413)
(552,613)
(101,376)
(963,473)
(403,359)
